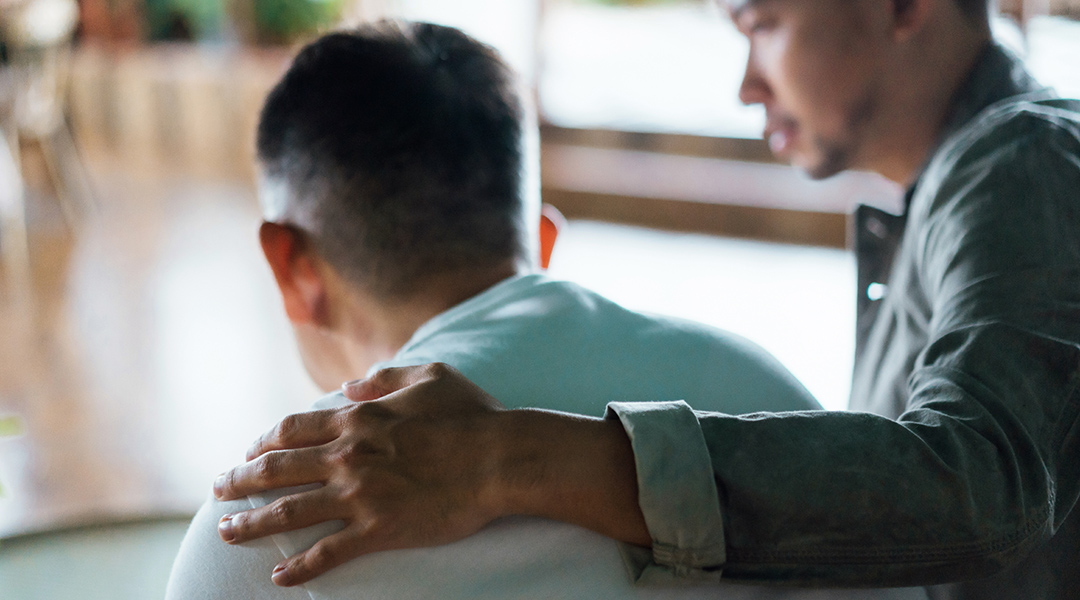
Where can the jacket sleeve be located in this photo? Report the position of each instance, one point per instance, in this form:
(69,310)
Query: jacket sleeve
(985,462)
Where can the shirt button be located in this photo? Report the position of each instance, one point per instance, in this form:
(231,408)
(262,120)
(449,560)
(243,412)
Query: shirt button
(876,291)
(876,227)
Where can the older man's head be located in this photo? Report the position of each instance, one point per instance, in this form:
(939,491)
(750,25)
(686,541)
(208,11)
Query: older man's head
(393,181)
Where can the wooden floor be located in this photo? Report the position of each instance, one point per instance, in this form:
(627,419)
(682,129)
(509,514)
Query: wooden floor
(152,355)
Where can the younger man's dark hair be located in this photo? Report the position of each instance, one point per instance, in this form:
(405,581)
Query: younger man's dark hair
(977,10)
(400,145)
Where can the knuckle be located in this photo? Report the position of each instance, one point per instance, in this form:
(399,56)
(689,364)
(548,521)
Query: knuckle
(381,378)
(350,493)
(229,482)
(439,370)
(241,523)
(361,415)
(288,428)
(237,480)
(348,455)
(320,558)
(360,491)
(352,419)
(283,512)
(266,467)
(256,449)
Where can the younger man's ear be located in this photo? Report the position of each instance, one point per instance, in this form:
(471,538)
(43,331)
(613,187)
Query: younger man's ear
(296,272)
(551,222)
(909,16)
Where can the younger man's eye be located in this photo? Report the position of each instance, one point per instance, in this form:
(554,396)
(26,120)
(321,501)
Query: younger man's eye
(754,17)
(760,24)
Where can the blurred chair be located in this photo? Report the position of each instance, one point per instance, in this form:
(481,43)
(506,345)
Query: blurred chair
(36,37)
(14,248)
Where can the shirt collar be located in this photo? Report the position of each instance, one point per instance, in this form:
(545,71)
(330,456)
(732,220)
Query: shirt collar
(998,74)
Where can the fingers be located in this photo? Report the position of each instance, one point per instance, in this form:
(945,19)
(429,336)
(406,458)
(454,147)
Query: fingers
(328,553)
(277,469)
(287,513)
(298,430)
(388,381)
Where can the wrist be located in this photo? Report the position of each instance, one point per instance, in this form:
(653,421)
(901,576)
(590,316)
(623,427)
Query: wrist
(518,463)
(568,468)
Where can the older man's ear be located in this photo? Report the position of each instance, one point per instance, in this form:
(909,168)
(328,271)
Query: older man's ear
(296,271)
(551,222)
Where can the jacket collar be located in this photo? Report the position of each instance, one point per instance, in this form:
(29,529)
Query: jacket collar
(997,75)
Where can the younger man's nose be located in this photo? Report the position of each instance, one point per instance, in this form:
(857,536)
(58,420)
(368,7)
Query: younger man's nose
(753,89)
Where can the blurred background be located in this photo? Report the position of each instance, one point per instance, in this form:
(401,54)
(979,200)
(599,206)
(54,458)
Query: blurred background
(142,343)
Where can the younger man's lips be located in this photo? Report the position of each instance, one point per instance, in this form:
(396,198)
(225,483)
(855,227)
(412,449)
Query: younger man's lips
(780,134)
(781,140)
(778,142)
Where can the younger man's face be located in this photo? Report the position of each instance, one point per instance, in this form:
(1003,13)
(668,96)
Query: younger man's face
(815,65)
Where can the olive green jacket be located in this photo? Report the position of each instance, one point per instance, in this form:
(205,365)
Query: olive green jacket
(965,460)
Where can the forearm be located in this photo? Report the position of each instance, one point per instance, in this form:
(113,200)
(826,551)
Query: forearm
(974,475)
(569,468)
(963,485)
(879,504)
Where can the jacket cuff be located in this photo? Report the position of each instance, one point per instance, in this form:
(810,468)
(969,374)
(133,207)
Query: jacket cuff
(676,493)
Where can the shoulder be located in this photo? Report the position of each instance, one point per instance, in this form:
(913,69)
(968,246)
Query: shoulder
(1014,138)
(1026,116)
(331,400)
(554,344)
(728,372)
(206,567)
(1007,178)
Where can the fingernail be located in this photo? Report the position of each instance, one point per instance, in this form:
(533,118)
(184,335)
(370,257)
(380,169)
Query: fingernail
(280,575)
(349,384)
(225,528)
(219,486)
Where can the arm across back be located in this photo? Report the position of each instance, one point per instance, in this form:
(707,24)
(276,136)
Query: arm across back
(983,465)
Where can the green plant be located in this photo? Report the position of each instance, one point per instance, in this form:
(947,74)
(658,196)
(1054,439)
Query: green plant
(289,20)
(185,19)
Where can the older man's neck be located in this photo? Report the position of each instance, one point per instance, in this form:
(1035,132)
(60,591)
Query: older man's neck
(390,323)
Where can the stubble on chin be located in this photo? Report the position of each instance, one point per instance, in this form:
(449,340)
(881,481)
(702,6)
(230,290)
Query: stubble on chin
(833,159)
(837,155)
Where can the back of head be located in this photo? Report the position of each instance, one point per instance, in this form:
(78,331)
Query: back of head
(397,149)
